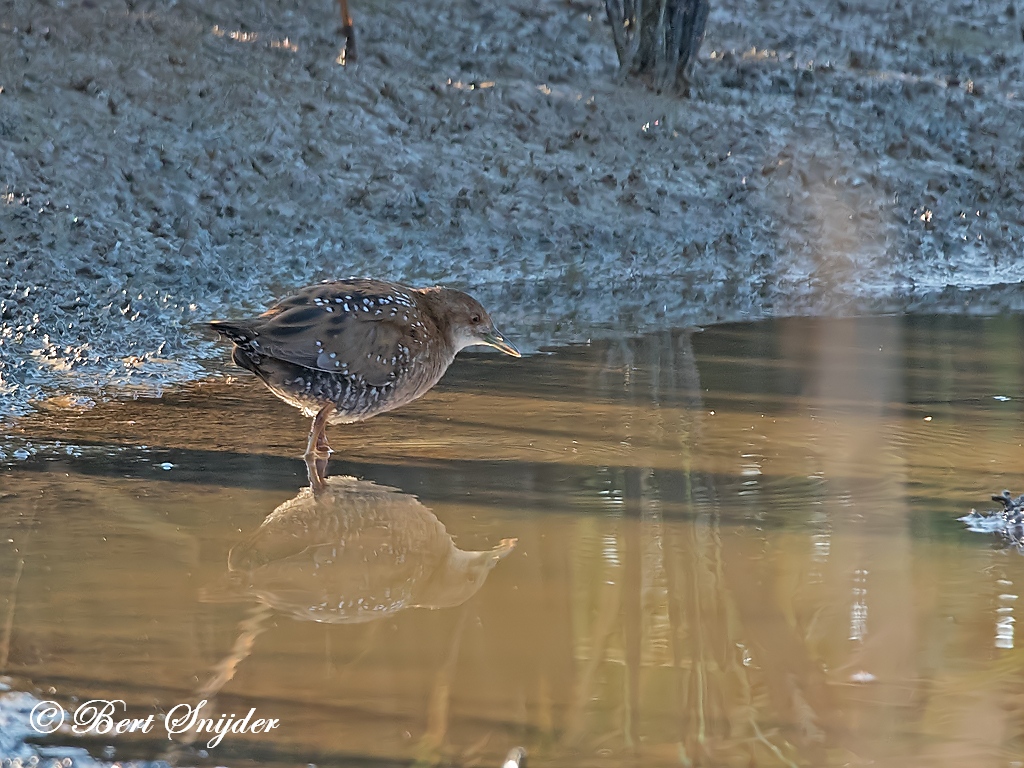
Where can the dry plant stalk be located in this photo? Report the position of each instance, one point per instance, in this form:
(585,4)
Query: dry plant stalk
(658,38)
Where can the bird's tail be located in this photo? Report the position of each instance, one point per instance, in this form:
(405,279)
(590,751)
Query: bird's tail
(244,353)
(232,330)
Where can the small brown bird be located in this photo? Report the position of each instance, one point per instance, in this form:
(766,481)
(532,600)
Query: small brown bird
(347,350)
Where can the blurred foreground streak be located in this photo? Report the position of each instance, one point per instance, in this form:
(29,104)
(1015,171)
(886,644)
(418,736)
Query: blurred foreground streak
(348,29)
(658,38)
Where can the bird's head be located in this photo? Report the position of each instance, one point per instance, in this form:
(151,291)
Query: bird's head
(468,323)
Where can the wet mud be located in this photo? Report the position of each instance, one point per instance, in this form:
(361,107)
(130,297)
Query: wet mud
(165,163)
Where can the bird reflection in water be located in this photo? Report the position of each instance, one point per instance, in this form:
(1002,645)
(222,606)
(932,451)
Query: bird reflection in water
(355,551)
(350,552)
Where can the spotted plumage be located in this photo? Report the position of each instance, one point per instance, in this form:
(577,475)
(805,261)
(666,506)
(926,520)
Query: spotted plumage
(347,350)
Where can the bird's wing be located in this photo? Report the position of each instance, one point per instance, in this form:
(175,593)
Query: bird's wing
(361,328)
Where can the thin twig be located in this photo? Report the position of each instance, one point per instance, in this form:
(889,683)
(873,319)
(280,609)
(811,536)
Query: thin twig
(617,20)
(637,23)
(659,44)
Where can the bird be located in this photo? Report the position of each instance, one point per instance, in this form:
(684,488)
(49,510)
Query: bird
(344,351)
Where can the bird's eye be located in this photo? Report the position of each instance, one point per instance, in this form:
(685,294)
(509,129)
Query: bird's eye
(474,319)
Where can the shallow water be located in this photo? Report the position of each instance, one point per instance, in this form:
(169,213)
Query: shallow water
(734,547)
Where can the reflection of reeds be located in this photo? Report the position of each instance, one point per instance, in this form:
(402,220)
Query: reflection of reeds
(967,708)
(12,592)
(665,625)
(439,704)
(249,628)
(12,603)
(604,623)
(661,619)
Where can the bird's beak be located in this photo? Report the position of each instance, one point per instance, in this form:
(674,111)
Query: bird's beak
(496,340)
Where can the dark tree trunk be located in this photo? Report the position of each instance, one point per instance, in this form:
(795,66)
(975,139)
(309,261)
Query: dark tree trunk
(658,38)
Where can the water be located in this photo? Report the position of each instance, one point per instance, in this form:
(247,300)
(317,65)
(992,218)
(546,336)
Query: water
(732,547)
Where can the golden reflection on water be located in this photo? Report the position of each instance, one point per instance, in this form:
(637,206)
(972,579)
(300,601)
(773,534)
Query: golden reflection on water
(736,547)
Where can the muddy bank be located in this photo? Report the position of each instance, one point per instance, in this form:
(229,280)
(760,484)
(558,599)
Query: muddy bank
(164,163)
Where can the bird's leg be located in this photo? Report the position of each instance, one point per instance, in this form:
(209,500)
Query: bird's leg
(317,449)
(349,31)
(317,444)
(321,443)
